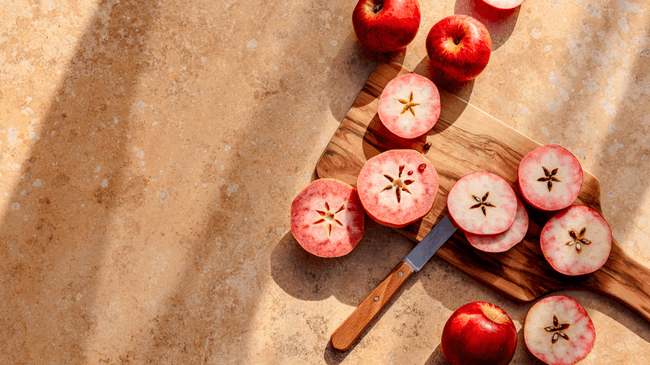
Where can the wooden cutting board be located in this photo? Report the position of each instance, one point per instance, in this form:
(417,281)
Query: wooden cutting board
(466,140)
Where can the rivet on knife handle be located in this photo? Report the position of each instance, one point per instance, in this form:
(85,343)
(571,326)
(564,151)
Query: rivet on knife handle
(350,330)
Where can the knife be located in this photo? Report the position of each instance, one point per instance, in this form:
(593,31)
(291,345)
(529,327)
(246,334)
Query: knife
(352,328)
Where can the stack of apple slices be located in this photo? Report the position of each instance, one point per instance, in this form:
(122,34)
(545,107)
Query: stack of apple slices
(486,208)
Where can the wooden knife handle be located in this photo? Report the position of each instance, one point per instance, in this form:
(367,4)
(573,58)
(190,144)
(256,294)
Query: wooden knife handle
(352,328)
(624,279)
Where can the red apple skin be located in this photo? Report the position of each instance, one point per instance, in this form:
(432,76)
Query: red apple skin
(479,333)
(459,47)
(391,28)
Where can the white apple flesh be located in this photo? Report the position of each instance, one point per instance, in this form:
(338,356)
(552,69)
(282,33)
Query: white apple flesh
(558,331)
(576,241)
(550,177)
(409,106)
(482,203)
(504,241)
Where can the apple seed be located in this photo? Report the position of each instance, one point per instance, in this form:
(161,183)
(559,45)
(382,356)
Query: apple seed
(557,330)
(550,177)
(409,104)
(578,239)
(398,184)
(422,167)
(482,203)
(426,146)
(329,218)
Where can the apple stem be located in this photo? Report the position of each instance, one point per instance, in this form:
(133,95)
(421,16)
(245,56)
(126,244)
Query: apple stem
(377,8)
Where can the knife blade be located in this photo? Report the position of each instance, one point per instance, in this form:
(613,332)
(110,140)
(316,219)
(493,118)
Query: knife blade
(356,324)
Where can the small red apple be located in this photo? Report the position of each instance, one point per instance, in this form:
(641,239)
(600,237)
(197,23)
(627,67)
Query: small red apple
(479,333)
(459,47)
(386,25)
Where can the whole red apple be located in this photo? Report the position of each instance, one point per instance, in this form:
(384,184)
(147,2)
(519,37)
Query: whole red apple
(386,25)
(479,333)
(459,47)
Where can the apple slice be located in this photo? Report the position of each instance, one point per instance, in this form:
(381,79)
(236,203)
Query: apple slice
(482,203)
(506,240)
(558,331)
(576,241)
(397,187)
(550,177)
(327,218)
(409,105)
(503,4)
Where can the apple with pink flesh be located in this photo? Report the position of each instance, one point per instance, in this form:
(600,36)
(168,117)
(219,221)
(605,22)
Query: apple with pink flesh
(502,4)
(327,218)
(386,25)
(459,47)
(576,241)
(550,177)
(482,203)
(479,333)
(504,241)
(409,106)
(558,331)
(397,187)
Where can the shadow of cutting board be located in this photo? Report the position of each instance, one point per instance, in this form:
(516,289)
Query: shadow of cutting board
(466,140)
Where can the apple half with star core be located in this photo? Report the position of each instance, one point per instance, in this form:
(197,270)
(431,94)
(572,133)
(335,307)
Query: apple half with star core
(459,46)
(386,25)
(576,241)
(479,333)
(327,218)
(482,203)
(409,106)
(397,187)
(550,177)
(558,331)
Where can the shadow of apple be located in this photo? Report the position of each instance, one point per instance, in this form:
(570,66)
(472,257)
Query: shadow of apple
(499,23)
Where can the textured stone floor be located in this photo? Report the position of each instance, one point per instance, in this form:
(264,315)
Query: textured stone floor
(150,151)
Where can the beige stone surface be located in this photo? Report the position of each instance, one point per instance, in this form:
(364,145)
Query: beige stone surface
(150,151)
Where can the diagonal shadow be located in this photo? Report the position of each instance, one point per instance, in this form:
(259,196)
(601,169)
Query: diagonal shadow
(52,248)
(222,300)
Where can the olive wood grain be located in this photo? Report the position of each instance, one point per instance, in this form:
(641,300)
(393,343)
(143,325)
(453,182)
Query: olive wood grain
(466,140)
(352,328)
